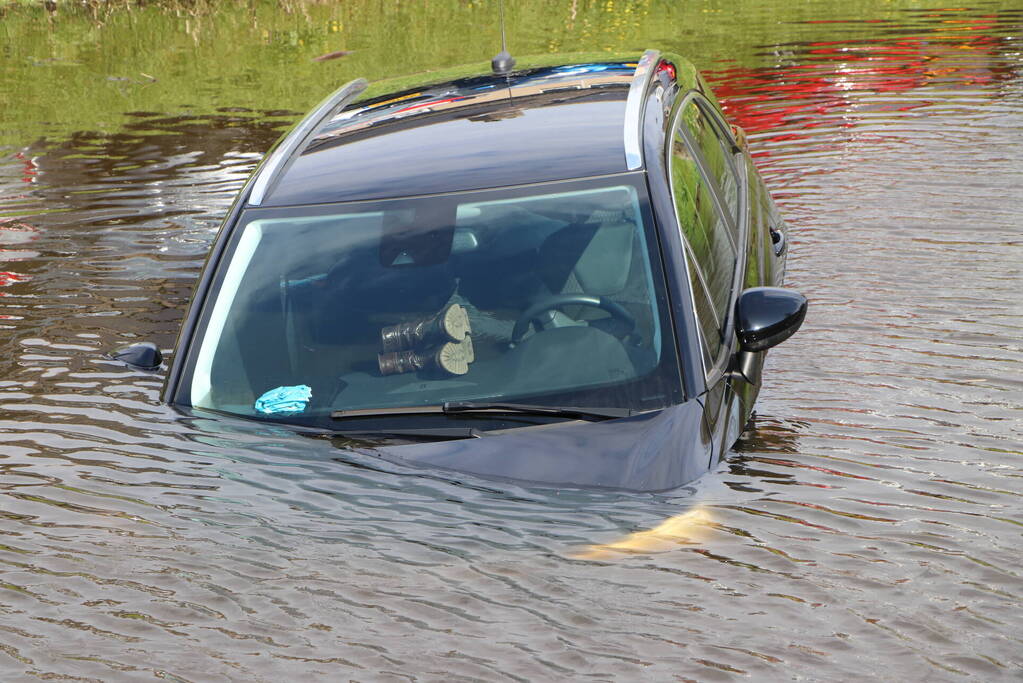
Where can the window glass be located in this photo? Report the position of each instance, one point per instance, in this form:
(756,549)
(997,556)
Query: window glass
(754,262)
(535,295)
(718,156)
(710,331)
(706,232)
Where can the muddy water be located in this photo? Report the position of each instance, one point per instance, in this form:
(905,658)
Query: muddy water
(869,527)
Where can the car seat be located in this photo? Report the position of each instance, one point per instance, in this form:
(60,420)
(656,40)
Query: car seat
(602,256)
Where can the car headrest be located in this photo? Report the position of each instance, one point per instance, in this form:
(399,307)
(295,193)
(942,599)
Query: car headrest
(597,255)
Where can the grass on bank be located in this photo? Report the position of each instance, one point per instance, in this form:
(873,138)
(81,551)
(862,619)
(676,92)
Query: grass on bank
(79,65)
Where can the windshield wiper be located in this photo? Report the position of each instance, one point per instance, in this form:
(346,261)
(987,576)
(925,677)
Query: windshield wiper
(463,407)
(487,407)
(386,412)
(438,433)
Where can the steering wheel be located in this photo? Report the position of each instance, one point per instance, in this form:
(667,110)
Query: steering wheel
(559,300)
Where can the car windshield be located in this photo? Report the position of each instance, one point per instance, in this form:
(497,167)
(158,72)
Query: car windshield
(549,294)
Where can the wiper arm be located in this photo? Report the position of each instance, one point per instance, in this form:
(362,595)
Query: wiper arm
(463,407)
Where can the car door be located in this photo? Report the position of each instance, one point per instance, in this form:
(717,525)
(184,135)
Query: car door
(710,203)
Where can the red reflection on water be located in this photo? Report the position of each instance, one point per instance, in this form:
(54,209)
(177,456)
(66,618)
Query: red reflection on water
(8,278)
(16,231)
(808,91)
(29,168)
(833,73)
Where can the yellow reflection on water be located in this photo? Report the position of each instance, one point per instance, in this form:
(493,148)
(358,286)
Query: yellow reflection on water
(692,526)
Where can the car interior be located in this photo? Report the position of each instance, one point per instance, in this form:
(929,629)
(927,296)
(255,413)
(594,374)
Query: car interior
(557,289)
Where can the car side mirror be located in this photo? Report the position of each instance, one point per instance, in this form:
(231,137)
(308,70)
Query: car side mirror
(140,356)
(767,316)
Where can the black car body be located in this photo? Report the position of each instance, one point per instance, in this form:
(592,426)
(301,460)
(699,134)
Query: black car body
(598,223)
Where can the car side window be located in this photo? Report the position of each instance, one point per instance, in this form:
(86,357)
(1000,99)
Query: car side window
(710,339)
(707,233)
(717,154)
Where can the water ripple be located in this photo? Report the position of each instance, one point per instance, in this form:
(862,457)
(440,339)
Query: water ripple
(875,508)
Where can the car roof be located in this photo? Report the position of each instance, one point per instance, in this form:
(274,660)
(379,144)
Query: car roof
(476,130)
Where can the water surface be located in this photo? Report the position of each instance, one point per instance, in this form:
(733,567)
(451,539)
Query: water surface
(870,526)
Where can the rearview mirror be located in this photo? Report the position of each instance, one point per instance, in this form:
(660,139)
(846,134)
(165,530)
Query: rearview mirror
(767,316)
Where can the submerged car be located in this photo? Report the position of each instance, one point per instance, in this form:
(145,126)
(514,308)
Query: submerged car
(564,274)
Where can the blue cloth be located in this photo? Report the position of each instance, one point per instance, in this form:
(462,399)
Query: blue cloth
(283,400)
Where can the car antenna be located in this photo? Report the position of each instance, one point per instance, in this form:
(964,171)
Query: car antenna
(503,63)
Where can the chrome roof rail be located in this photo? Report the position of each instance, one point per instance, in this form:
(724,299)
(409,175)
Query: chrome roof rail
(634,109)
(276,163)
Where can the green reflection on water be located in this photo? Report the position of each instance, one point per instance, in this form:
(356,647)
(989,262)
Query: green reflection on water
(83,69)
